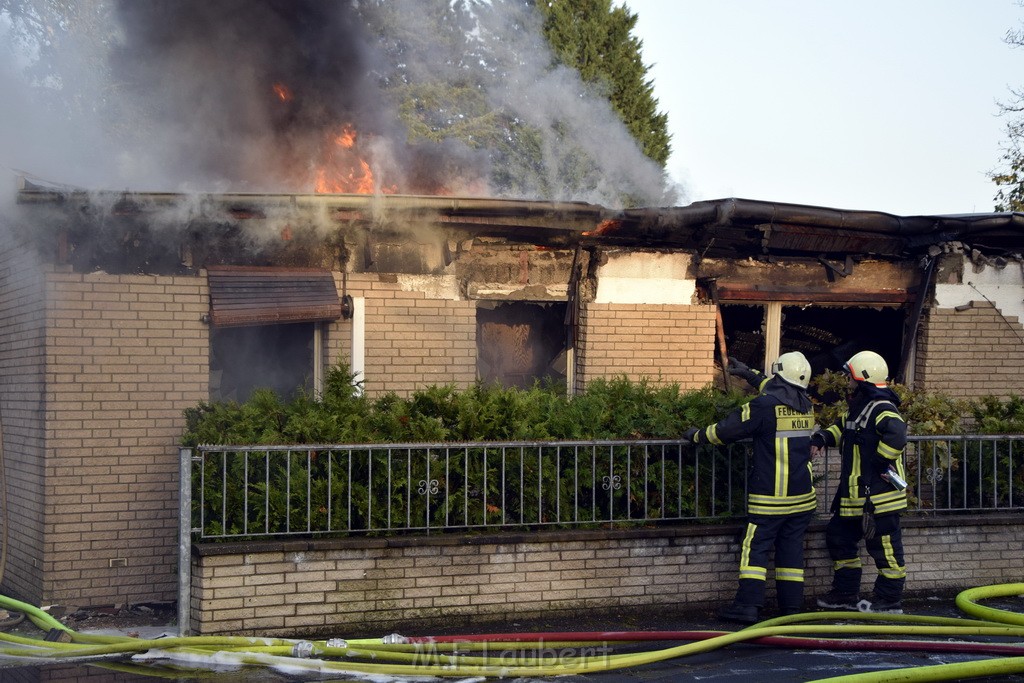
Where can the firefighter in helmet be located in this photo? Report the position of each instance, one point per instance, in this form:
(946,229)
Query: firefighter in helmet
(780,495)
(871,495)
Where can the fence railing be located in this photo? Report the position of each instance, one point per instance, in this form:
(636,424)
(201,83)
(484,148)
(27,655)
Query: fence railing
(266,491)
(973,473)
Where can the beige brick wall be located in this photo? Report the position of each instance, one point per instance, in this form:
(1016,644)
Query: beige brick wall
(125,356)
(374,586)
(22,408)
(663,343)
(412,341)
(970,353)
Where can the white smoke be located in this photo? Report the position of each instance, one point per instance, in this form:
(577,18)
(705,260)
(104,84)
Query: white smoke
(53,126)
(569,113)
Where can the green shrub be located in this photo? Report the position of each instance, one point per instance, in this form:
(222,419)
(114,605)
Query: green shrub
(608,409)
(926,412)
(993,415)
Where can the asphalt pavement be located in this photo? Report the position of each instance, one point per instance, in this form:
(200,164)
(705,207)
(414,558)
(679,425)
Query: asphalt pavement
(738,662)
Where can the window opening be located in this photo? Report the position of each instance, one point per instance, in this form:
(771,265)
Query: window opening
(827,335)
(744,333)
(521,342)
(277,357)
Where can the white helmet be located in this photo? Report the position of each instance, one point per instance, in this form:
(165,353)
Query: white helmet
(868,366)
(793,368)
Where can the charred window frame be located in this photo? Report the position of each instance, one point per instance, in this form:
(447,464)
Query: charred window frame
(827,332)
(788,307)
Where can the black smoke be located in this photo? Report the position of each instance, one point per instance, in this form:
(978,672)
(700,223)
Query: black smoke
(248,91)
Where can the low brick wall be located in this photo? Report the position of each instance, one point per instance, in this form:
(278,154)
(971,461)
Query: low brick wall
(369,587)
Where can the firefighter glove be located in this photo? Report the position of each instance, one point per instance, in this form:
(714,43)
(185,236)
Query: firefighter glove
(736,367)
(690,434)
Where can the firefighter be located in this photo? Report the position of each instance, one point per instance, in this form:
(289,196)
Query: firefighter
(871,494)
(780,496)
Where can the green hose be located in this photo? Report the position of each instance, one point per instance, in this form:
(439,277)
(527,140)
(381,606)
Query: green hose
(36,615)
(520,658)
(966,602)
(555,667)
(938,672)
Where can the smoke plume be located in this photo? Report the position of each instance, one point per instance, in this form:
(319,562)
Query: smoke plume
(306,95)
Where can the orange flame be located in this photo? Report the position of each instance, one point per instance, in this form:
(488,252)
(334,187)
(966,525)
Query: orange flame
(346,139)
(604,227)
(283,92)
(342,170)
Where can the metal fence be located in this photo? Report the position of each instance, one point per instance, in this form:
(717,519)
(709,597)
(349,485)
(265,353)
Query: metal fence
(266,491)
(973,473)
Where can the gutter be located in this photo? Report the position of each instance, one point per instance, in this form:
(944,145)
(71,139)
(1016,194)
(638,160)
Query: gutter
(731,224)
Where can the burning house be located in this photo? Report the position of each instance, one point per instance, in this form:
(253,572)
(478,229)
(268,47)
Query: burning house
(321,235)
(120,310)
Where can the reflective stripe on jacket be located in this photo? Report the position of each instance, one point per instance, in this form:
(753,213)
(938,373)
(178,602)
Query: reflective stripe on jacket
(779,481)
(870,442)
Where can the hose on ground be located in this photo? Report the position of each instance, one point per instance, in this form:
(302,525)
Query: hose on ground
(557,654)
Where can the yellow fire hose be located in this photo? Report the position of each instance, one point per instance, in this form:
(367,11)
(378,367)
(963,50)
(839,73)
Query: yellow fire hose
(501,657)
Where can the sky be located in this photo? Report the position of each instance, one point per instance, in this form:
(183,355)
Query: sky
(881,105)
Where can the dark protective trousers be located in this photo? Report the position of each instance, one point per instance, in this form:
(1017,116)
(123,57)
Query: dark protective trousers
(784,534)
(885,545)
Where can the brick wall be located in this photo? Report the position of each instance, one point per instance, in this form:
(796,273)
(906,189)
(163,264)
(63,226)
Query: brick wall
(22,409)
(125,356)
(375,586)
(663,343)
(970,353)
(412,341)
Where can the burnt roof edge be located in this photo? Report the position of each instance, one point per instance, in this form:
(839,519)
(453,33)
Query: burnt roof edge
(751,211)
(706,212)
(653,222)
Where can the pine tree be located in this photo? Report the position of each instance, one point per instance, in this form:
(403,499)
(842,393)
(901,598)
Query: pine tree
(595,38)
